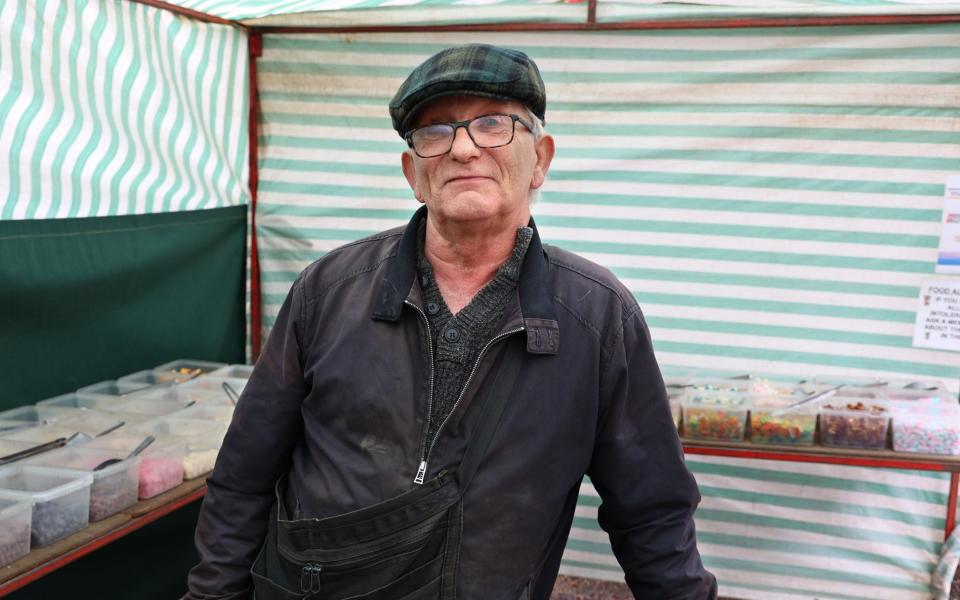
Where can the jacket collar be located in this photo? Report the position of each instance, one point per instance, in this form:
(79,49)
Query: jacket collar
(536,306)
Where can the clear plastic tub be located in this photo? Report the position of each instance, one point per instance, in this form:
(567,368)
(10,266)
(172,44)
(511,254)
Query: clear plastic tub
(114,486)
(676,410)
(720,416)
(161,464)
(10,447)
(222,413)
(851,423)
(215,384)
(233,372)
(932,432)
(97,422)
(60,497)
(39,435)
(771,424)
(147,379)
(108,393)
(184,429)
(185,396)
(40,415)
(201,455)
(149,405)
(185,369)
(79,401)
(14,529)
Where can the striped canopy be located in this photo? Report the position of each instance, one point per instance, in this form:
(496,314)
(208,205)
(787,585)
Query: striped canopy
(332,13)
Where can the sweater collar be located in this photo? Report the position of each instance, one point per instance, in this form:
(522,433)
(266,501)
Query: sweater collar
(536,306)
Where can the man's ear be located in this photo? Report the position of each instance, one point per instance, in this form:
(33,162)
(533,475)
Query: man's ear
(410,172)
(545,149)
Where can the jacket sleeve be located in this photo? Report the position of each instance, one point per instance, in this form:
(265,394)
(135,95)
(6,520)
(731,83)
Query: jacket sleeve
(648,495)
(256,451)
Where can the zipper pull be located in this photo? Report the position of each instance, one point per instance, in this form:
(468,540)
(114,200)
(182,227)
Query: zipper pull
(317,569)
(306,574)
(420,473)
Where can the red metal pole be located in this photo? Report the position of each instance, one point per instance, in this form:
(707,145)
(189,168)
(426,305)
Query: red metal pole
(632,25)
(255,44)
(951,506)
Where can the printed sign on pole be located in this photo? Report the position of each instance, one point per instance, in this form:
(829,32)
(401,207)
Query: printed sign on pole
(938,316)
(948,256)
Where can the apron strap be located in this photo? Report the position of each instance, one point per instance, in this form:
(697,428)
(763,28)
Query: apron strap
(489,420)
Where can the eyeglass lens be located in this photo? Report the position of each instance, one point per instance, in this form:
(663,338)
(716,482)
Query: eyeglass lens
(488,131)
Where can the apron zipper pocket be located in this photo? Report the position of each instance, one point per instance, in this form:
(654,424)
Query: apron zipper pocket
(310,578)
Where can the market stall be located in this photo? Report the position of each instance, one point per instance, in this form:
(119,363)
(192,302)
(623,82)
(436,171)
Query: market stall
(769,188)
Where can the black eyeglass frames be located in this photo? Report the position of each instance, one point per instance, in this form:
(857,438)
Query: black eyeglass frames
(486,131)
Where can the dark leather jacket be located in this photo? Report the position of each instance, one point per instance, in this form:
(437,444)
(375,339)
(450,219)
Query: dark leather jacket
(339,399)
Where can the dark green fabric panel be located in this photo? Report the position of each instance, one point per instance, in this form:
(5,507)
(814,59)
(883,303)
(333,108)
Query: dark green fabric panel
(149,564)
(83,300)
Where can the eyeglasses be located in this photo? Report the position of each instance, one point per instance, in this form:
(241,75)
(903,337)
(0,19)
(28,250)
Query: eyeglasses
(486,131)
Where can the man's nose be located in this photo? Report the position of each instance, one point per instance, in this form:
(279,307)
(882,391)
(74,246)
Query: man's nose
(463,146)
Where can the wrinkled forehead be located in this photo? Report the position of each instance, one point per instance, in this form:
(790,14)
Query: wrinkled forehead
(461,107)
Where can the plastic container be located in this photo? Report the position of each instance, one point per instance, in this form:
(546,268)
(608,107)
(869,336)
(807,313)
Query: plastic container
(233,372)
(79,401)
(10,447)
(222,413)
(201,455)
(185,369)
(60,497)
(720,416)
(114,487)
(149,405)
(14,529)
(184,429)
(147,378)
(39,435)
(185,396)
(215,384)
(161,464)
(851,423)
(97,422)
(39,415)
(676,410)
(107,393)
(770,424)
(930,432)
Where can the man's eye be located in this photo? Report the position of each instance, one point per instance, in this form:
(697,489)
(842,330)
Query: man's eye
(490,123)
(434,132)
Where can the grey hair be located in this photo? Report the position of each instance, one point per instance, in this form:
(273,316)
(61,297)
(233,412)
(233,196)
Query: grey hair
(538,132)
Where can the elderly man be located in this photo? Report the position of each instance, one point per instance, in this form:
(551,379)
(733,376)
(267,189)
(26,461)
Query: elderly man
(430,398)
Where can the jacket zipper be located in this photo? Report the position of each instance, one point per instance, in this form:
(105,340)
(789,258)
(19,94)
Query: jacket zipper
(422,469)
(423,463)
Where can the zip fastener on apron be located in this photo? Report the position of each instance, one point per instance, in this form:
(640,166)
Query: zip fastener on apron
(310,572)
(310,578)
(421,471)
(423,463)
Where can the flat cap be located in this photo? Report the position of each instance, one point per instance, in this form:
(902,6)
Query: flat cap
(474,70)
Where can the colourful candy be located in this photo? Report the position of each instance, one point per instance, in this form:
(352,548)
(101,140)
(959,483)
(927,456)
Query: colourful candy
(159,474)
(854,426)
(926,435)
(793,429)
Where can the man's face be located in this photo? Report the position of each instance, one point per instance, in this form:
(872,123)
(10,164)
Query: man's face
(471,184)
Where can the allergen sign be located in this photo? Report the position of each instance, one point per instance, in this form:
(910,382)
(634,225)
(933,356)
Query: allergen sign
(938,316)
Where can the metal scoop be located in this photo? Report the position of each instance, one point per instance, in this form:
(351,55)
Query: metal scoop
(230,392)
(140,448)
(818,396)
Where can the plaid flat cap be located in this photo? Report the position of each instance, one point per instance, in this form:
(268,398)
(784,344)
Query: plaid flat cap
(475,70)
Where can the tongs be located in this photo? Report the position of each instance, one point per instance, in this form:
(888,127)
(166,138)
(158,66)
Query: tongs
(811,398)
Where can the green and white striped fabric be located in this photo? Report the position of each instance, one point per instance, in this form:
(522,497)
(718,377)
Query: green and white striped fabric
(336,13)
(343,13)
(110,107)
(615,11)
(771,196)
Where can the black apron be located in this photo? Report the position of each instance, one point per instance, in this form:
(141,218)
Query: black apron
(405,548)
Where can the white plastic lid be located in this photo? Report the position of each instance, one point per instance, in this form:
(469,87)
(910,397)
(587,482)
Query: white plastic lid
(48,483)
